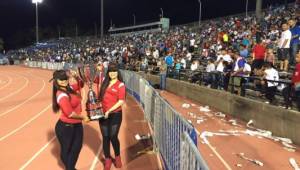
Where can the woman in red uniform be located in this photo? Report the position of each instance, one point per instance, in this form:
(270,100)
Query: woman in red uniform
(112,97)
(68,129)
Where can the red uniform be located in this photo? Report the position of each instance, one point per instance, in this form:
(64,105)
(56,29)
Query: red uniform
(296,75)
(112,95)
(259,52)
(69,104)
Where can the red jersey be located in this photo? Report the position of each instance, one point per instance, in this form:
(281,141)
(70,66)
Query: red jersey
(296,75)
(69,104)
(259,52)
(112,95)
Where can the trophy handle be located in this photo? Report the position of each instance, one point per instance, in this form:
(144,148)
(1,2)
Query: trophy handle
(81,74)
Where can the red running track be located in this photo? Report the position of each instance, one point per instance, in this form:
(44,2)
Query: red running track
(221,152)
(27,138)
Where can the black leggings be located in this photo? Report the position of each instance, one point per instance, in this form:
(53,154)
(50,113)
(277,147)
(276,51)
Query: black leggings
(70,137)
(110,129)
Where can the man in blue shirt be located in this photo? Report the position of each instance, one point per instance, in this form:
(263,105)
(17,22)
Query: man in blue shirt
(295,30)
(169,60)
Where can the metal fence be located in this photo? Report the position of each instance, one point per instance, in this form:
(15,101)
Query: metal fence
(188,161)
(168,126)
(174,138)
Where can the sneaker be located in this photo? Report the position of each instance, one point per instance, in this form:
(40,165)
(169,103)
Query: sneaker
(107,164)
(118,162)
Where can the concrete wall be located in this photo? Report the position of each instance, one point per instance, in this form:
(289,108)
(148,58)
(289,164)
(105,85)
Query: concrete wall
(279,121)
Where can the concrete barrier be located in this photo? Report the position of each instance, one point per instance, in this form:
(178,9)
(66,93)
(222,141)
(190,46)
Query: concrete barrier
(279,121)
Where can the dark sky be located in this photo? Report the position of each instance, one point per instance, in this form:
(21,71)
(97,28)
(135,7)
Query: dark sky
(18,15)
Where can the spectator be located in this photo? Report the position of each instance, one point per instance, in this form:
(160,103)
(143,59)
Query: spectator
(163,74)
(270,57)
(296,81)
(258,56)
(270,74)
(284,47)
(294,45)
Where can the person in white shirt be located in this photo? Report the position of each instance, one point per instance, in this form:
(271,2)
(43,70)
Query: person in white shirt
(270,74)
(194,65)
(225,56)
(284,47)
(210,66)
(183,63)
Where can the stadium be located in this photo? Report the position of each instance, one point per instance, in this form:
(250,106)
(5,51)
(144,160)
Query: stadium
(216,91)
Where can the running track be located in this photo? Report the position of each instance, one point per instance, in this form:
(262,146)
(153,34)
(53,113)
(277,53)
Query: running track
(27,139)
(221,152)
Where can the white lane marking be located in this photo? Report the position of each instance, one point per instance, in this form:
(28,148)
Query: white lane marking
(96,159)
(219,156)
(13,93)
(4,113)
(9,82)
(216,153)
(37,153)
(26,123)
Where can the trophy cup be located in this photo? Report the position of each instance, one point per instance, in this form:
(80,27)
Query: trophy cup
(88,73)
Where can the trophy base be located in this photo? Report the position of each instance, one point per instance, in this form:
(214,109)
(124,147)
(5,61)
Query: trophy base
(96,117)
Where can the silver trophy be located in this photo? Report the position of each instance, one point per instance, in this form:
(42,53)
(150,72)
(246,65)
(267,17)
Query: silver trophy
(88,73)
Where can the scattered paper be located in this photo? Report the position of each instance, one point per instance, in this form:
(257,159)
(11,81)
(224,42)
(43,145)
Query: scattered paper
(185,105)
(294,164)
(289,149)
(257,162)
(220,114)
(204,109)
(239,165)
(233,122)
(142,137)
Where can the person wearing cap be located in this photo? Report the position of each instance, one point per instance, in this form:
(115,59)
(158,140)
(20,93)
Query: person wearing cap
(68,129)
(112,97)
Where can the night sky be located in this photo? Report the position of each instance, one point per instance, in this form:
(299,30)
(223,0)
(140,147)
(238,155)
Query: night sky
(19,15)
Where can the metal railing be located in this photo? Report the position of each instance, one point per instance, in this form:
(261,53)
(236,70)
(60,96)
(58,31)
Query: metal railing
(238,84)
(188,161)
(168,125)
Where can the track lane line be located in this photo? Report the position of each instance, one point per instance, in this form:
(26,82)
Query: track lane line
(26,123)
(96,159)
(9,82)
(37,153)
(37,93)
(13,93)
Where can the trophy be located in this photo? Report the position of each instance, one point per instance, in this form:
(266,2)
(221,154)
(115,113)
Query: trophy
(88,73)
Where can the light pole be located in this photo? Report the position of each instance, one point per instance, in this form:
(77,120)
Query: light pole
(36,2)
(200,12)
(133,19)
(162,12)
(247,3)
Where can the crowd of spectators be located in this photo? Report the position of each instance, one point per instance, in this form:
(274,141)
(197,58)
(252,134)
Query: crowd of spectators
(222,53)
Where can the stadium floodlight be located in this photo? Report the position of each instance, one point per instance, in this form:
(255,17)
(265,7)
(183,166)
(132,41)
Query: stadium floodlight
(200,12)
(162,12)
(36,2)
